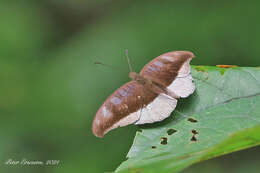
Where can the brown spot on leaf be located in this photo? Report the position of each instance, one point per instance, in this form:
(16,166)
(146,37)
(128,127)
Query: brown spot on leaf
(226,66)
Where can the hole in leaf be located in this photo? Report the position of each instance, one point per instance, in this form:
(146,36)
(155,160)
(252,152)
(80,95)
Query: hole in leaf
(153,147)
(164,140)
(192,120)
(171,131)
(193,139)
(195,132)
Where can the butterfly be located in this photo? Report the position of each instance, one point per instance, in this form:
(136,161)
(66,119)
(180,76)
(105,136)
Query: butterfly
(150,96)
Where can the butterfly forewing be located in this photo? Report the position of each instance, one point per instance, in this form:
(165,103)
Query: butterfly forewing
(172,71)
(122,107)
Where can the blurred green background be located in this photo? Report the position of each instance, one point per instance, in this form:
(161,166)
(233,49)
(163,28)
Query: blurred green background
(50,89)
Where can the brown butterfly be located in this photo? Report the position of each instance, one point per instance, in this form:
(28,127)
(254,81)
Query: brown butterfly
(150,96)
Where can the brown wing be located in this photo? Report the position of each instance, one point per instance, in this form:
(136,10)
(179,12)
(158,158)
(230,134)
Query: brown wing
(165,68)
(124,103)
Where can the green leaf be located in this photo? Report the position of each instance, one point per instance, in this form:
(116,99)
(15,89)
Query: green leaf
(222,116)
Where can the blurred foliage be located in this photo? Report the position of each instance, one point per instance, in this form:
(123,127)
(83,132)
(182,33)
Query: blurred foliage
(50,89)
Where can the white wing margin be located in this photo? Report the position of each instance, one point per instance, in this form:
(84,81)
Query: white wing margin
(159,109)
(183,86)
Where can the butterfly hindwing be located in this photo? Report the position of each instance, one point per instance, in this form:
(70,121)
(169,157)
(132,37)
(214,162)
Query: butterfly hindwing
(159,109)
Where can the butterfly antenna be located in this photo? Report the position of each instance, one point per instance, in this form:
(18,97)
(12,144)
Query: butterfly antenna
(128,60)
(107,65)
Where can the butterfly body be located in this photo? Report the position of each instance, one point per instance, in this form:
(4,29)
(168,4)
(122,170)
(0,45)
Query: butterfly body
(148,83)
(151,95)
